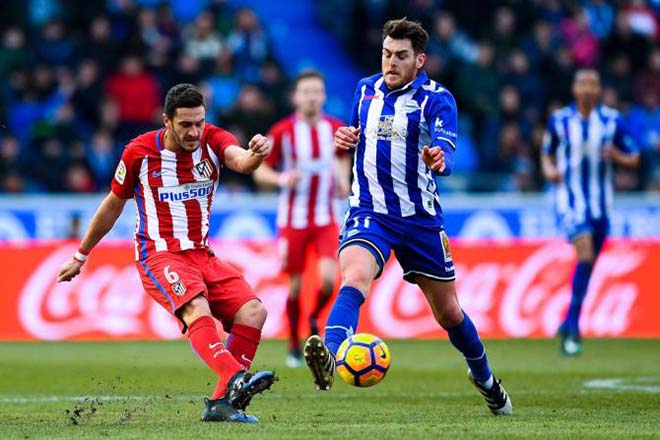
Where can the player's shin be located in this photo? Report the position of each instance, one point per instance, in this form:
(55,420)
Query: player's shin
(293,316)
(466,339)
(580,285)
(343,318)
(206,343)
(242,342)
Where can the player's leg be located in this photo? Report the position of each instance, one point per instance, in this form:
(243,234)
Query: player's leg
(363,250)
(325,244)
(293,247)
(234,303)
(463,335)
(569,330)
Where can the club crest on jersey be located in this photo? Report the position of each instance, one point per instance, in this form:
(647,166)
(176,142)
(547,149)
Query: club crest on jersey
(386,130)
(203,169)
(179,288)
(120,173)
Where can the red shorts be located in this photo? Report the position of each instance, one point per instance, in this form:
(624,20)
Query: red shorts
(175,278)
(294,242)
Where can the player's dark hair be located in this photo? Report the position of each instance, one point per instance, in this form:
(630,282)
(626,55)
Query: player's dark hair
(403,28)
(182,96)
(306,74)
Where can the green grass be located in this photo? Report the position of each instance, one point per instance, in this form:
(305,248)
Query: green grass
(154,390)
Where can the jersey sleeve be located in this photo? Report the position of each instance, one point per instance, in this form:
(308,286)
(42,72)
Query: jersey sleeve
(623,139)
(354,120)
(442,118)
(123,182)
(219,140)
(550,137)
(275,137)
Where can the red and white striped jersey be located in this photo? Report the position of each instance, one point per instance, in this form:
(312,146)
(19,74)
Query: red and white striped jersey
(310,150)
(173,191)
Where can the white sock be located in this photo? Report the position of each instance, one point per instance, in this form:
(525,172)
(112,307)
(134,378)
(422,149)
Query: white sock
(489,383)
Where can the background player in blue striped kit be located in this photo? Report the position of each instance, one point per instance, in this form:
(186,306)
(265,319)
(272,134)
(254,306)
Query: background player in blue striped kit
(403,129)
(582,142)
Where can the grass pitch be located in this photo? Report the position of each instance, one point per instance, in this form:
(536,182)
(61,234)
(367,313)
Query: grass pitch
(144,390)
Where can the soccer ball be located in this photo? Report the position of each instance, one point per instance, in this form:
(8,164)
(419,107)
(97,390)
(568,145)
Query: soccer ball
(363,360)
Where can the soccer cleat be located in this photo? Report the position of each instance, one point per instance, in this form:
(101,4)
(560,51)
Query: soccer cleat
(221,410)
(496,398)
(294,359)
(313,327)
(571,345)
(320,362)
(244,386)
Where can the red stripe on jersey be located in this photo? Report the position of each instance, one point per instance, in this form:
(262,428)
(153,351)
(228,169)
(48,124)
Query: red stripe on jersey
(184,166)
(294,165)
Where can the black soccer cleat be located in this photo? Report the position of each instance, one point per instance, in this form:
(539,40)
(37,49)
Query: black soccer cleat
(496,398)
(221,410)
(320,362)
(244,386)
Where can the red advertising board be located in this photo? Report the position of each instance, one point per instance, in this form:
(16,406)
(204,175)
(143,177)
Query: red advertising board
(510,289)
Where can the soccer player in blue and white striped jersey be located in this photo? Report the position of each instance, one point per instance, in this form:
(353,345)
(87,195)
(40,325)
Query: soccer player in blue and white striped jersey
(403,129)
(582,142)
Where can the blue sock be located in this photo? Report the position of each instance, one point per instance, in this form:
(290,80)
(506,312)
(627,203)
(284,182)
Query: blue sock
(343,318)
(580,284)
(466,339)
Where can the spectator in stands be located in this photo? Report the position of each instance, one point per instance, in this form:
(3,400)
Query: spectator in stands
(202,42)
(248,44)
(13,53)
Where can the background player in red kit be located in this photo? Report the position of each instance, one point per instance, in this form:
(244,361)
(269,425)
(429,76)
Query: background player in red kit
(311,173)
(172,174)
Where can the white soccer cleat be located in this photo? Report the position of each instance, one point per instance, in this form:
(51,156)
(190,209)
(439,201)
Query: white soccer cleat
(497,399)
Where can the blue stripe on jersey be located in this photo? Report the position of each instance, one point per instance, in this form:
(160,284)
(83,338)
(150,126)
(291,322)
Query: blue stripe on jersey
(365,196)
(567,177)
(158,285)
(158,144)
(139,201)
(384,161)
(412,152)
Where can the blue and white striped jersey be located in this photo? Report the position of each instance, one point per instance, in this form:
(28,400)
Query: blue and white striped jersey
(585,192)
(390,176)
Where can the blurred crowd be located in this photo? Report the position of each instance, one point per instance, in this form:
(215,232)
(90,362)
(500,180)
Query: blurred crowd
(79,79)
(509,63)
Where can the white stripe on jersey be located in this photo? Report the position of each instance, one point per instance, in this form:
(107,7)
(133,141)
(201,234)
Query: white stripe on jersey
(177,209)
(398,156)
(370,166)
(354,199)
(204,202)
(595,136)
(575,161)
(322,210)
(303,146)
(153,228)
(422,178)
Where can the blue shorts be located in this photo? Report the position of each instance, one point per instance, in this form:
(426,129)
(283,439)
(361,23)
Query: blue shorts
(420,250)
(598,228)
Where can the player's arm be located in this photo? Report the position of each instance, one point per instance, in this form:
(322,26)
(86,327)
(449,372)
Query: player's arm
(247,161)
(442,117)
(548,153)
(342,171)
(104,219)
(267,175)
(624,150)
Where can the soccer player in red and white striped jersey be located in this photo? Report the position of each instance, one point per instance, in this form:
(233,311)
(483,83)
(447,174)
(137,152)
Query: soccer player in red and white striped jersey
(310,173)
(172,174)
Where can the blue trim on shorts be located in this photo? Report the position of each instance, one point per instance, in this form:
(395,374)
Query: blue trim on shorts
(158,285)
(369,246)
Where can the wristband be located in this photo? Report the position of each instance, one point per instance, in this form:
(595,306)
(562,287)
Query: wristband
(81,255)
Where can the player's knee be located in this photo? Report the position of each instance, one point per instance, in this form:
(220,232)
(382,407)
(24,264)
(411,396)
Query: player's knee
(195,309)
(252,314)
(357,277)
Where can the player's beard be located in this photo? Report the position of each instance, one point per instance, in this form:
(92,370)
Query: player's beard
(182,144)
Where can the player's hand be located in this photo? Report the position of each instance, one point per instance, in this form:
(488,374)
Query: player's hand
(342,188)
(553,176)
(260,145)
(69,270)
(346,137)
(434,158)
(610,153)
(289,179)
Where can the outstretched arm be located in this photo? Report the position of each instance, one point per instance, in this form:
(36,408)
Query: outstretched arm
(105,217)
(267,175)
(246,161)
(549,168)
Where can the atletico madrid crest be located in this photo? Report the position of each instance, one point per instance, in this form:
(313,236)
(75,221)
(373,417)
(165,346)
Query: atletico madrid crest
(203,169)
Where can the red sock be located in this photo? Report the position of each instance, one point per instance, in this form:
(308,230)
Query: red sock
(293,314)
(243,342)
(206,343)
(321,300)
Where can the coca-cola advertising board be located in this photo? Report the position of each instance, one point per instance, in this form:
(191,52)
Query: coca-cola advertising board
(510,289)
